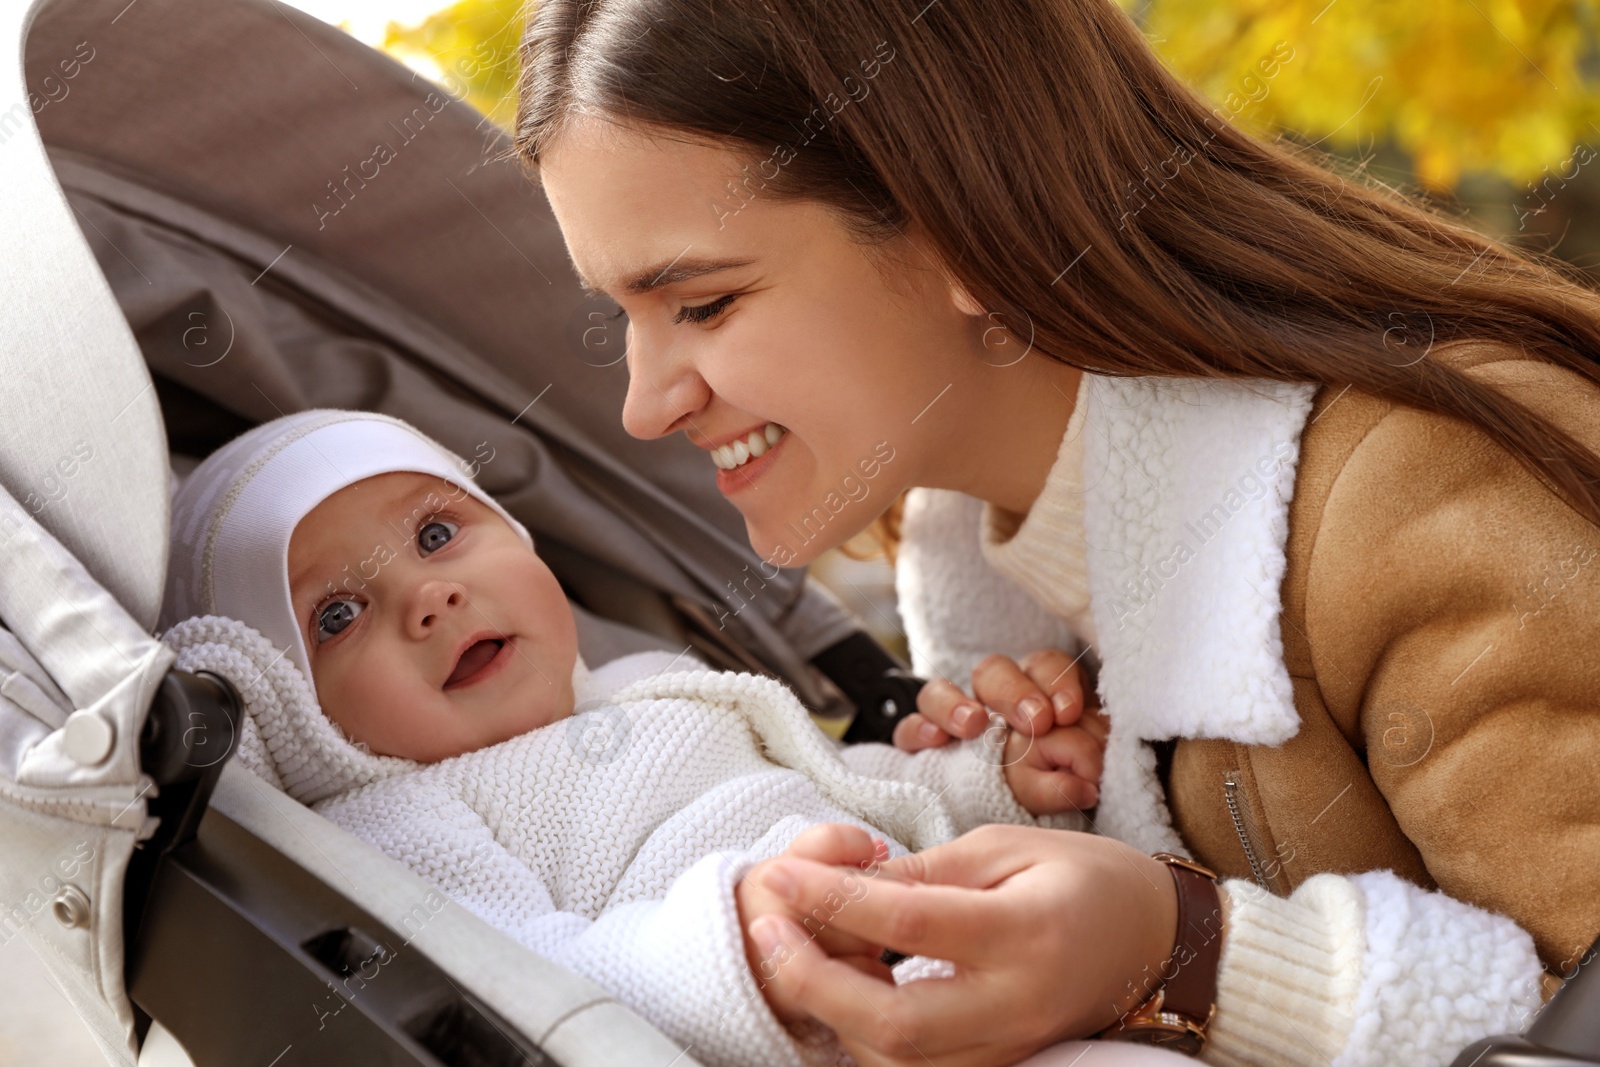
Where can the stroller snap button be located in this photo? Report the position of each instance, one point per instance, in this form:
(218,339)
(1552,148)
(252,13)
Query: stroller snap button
(71,907)
(89,737)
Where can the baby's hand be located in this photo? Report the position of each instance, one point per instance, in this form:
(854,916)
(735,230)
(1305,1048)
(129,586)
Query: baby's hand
(831,843)
(1059,770)
(1057,733)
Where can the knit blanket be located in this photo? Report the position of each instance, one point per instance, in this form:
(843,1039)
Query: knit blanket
(611,841)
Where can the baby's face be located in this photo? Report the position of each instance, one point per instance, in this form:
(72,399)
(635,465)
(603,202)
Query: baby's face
(432,628)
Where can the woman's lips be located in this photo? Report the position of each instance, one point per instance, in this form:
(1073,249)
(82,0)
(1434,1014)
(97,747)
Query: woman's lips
(743,476)
(481,660)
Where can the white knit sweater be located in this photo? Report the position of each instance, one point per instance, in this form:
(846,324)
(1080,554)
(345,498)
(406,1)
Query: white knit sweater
(1358,971)
(611,842)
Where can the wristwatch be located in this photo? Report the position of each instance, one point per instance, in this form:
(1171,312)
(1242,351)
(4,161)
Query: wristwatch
(1177,1014)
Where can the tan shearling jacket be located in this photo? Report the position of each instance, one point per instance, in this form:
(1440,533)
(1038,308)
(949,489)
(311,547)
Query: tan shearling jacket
(1350,653)
(1441,625)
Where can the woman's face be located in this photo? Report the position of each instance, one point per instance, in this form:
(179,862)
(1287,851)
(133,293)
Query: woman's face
(755,321)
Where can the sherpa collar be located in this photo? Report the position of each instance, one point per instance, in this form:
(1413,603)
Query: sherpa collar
(1187,488)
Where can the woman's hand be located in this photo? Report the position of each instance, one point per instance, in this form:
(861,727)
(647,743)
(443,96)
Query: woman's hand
(836,846)
(1054,935)
(1044,688)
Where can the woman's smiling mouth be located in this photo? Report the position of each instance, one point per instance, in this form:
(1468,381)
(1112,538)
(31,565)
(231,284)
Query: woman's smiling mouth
(742,450)
(744,459)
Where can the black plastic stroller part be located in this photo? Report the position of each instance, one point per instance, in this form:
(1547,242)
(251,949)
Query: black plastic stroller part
(878,684)
(188,737)
(1566,1032)
(288,967)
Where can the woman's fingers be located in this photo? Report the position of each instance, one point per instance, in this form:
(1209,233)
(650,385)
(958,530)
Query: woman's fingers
(947,922)
(891,903)
(1004,687)
(1089,914)
(942,703)
(1060,677)
(977,859)
(837,843)
(897,1023)
(915,733)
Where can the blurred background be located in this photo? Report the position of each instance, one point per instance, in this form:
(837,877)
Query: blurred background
(1487,107)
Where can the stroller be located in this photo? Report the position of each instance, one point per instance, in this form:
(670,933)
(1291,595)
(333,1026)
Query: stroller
(219,211)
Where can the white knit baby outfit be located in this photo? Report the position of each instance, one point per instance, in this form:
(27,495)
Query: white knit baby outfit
(611,842)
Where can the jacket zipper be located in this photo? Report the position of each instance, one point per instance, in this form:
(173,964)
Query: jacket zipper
(1230,786)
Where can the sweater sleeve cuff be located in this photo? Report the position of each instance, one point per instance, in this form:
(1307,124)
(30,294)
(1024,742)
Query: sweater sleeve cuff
(1364,971)
(981,795)
(1289,974)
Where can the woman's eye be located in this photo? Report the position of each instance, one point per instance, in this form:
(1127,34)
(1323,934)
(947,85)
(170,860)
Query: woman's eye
(435,535)
(620,312)
(335,615)
(703,312)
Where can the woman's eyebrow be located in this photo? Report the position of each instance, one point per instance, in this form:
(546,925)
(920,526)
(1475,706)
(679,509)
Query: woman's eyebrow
(659,275)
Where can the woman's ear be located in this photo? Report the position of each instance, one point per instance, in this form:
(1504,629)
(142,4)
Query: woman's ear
(960,299)
(963,300)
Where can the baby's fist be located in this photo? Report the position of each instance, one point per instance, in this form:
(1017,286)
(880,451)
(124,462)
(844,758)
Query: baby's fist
(1058,770)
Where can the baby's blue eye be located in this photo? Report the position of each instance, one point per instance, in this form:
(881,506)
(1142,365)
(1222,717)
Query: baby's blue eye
(435,535)
(334,616)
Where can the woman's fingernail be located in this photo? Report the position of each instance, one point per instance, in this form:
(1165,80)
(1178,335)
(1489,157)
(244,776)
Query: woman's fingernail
(963,716)
(1032,708)
(780,885)
(1063,703)
(928,733)
(1094,796)
(765,933)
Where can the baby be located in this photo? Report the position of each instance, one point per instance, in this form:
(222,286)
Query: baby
(348,552)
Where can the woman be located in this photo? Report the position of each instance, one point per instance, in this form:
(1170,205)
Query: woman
(1311,468)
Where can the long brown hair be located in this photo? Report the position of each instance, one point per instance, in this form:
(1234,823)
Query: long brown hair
(1075,187)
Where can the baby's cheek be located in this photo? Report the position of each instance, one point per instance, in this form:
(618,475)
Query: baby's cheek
(368,704)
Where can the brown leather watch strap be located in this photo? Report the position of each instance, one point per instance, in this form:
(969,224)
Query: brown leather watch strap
(1197,951)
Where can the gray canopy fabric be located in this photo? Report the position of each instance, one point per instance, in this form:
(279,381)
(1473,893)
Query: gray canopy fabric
(84,471)
(83,448)
(191,247)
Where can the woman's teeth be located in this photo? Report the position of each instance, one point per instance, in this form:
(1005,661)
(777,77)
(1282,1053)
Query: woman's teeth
(752,446)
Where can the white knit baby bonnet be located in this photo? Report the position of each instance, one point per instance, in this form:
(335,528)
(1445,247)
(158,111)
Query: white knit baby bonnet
(229,564)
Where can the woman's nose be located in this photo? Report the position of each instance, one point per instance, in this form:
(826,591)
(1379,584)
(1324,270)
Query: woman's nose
(664,388)
(433,600)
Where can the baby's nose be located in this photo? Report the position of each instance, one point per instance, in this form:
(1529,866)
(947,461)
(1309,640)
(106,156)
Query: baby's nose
(435,599)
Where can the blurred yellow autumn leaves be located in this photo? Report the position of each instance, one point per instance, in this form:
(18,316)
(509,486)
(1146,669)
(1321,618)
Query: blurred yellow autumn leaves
(1497,87)
(473,43)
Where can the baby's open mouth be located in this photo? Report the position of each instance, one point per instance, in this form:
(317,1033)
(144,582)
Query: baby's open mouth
(476,657)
